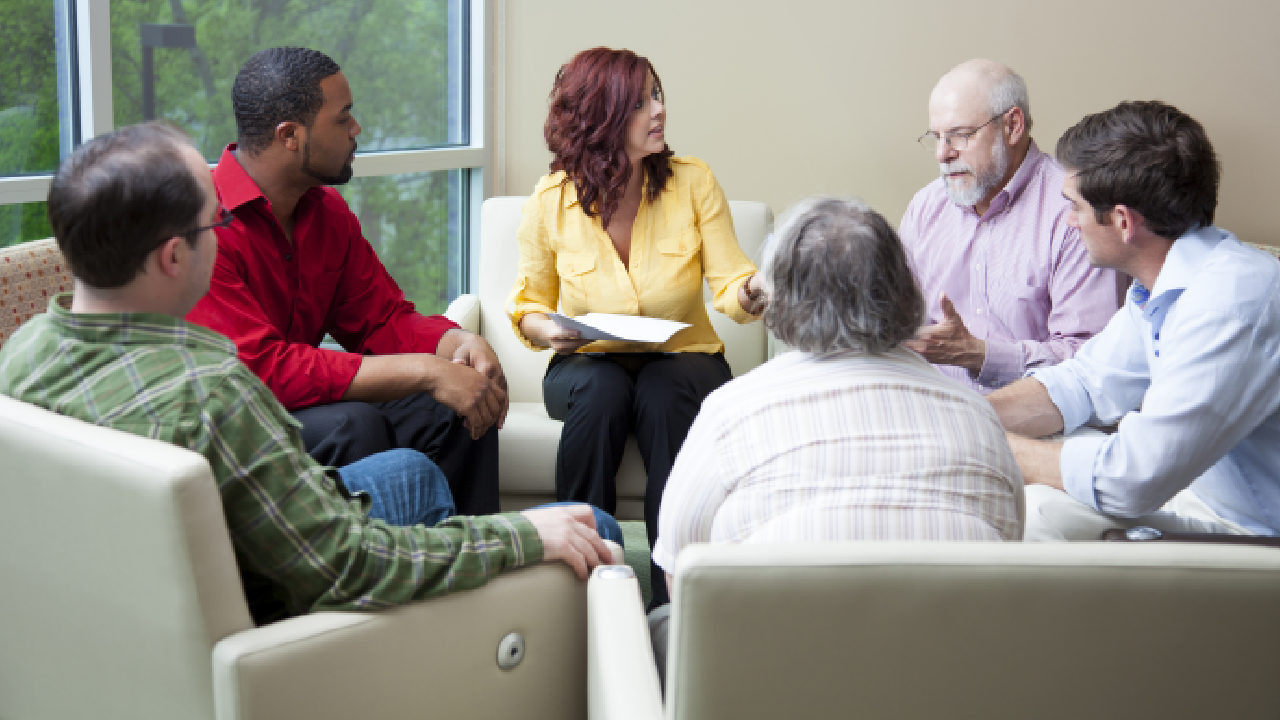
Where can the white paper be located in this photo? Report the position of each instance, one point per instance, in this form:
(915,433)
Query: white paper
(624,328)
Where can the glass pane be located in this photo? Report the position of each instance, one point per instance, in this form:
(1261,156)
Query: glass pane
(23,223)
(405,60)
(416,223)
(33,136)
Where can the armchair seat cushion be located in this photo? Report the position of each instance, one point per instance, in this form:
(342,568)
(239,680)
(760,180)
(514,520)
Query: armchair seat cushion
(527,447)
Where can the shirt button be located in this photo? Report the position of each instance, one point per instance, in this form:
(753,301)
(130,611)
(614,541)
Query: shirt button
(979,311)
(977,266)
(289,257)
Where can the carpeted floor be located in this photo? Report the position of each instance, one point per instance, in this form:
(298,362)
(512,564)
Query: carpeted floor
(637,552)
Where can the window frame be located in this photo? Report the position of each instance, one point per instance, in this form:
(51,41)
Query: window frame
(92,89)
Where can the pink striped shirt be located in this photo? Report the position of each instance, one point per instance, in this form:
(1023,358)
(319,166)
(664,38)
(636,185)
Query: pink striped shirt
(1018,275)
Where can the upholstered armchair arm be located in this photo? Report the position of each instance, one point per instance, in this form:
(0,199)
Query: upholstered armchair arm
(436,658)
(465,310)
(622,680)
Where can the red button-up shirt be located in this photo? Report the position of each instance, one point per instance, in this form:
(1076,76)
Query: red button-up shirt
(277,300)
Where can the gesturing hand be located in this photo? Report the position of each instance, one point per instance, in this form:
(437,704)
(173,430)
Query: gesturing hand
(479,400)
(475,353)
(950,342)
(752,297)
(569,533)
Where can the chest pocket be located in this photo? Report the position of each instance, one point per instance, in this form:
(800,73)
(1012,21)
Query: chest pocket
(577,281)
(680,266)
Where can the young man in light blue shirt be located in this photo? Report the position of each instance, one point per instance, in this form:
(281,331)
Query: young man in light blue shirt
(1189,367)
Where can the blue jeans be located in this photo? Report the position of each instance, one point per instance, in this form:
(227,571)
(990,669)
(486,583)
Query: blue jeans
(408,489)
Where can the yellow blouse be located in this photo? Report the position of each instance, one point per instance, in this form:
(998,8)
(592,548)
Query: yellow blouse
(683,236)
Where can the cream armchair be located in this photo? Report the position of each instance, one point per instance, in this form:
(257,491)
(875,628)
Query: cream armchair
(931,630)
(527,445)
(120,598)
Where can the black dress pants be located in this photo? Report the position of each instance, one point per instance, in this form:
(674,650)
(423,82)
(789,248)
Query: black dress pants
(603,397)
(344,432)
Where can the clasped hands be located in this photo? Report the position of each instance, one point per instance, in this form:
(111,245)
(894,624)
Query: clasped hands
(474,386)
(950,342)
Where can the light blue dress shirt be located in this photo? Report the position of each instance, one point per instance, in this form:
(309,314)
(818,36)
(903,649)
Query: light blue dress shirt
(1200,353)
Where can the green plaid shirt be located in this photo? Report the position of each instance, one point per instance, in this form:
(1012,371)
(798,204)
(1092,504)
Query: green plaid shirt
(291,521)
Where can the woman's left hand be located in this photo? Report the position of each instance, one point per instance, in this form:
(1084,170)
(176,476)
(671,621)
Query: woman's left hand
(752,297)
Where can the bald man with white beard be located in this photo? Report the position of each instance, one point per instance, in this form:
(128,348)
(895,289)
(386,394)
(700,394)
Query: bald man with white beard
(1008,284)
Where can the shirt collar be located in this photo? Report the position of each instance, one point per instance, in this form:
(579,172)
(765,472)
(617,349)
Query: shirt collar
(1185,258)
(133,328)
(234,185)
(1180,266)
(1030,165)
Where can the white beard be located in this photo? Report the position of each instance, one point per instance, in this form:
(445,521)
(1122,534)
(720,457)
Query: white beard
(969,193)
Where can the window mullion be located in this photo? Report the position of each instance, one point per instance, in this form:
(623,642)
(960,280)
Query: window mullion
(93,54)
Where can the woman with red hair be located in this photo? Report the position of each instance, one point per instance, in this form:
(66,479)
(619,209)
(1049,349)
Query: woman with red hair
(620,226)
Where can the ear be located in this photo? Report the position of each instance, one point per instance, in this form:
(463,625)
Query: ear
(1127,222)
(1016,123)
(291,135)
(171,257)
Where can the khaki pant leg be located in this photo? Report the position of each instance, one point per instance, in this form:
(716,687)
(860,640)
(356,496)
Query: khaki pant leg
(1054,516)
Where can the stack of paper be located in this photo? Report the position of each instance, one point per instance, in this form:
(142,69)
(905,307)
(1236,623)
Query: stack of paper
(625,328)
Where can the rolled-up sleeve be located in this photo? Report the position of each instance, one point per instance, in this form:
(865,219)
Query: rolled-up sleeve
(537,286)
(724,264)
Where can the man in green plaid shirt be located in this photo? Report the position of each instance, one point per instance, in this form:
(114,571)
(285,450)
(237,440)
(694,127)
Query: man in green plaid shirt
(133,213)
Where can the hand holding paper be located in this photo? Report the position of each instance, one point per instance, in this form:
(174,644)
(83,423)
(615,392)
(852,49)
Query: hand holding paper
(623,328)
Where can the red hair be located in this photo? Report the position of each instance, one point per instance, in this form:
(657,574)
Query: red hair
(591,104)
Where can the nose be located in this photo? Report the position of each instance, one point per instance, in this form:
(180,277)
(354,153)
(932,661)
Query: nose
(355,127)
(657,109)
(945,153)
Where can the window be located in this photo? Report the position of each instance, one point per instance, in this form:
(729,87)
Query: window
(416,68)
(36,106)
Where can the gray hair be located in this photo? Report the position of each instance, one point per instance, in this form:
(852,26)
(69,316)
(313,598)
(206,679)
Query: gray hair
(1010,91)
(838,280)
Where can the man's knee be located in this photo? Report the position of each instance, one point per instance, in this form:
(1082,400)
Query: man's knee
(356,429)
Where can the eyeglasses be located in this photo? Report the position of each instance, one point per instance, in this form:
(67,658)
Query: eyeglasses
(957,140)
(224,221)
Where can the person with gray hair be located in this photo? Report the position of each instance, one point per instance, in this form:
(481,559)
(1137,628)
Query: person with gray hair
(852,436)
(1008,283)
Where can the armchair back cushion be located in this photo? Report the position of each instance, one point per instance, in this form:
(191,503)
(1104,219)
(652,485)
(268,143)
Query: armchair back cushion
(30,274)
(918,630)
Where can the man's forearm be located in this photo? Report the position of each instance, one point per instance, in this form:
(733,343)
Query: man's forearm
(1039,460)
(1025,408)
(391,377)
(450,342)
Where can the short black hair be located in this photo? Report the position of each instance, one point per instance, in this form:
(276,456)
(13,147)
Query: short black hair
(118,197)
(1148,156)
(278,85)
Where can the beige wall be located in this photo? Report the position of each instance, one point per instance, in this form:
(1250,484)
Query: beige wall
(786,99)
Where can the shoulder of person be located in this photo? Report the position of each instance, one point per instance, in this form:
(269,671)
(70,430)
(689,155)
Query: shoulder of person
(1237,278)
(690,168)
(551,181)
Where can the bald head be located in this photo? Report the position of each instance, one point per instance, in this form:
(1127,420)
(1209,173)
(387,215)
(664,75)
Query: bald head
(981,109)
(982,87)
